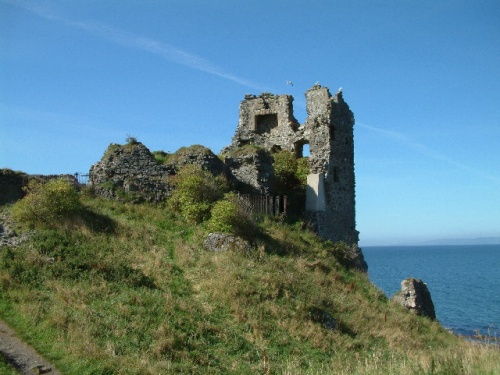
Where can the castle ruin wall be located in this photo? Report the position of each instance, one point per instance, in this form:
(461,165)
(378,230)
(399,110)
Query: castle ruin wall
(267,121)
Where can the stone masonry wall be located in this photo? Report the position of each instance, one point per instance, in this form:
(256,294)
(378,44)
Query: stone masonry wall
(266,120)
(13,184)
(329,130)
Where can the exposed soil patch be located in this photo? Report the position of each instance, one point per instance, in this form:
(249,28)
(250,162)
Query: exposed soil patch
(23,357)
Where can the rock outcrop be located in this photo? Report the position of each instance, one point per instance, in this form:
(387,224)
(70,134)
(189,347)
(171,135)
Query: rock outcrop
(197,155)
(323,317)
(130,171)
(9,233)
(415,296)
(220,242)
(354,258)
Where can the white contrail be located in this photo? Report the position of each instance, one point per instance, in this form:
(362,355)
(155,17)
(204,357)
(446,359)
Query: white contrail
(167,52)
(425,150)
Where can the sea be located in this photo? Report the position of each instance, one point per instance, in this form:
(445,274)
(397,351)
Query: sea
(464,282)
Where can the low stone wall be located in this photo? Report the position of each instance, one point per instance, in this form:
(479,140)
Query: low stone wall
(12,183)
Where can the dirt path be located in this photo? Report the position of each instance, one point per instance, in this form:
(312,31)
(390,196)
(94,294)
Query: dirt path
(23,357)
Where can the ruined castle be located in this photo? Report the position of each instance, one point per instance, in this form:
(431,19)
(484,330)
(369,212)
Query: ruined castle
(266,122)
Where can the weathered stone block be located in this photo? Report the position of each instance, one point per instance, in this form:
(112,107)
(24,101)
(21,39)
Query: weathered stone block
(415,296)
(220,242)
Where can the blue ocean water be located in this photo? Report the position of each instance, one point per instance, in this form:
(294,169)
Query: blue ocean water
(464,281)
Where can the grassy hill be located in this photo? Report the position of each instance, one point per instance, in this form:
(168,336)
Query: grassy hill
(130,289)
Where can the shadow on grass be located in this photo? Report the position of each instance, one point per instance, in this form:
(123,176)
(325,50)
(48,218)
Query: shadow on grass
(98,223)
(274,246)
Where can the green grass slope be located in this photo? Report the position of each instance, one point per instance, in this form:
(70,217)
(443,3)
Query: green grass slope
(130,289)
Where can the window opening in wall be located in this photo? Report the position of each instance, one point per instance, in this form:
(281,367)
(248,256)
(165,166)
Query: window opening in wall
(264,123)
(302,150)
(306,150)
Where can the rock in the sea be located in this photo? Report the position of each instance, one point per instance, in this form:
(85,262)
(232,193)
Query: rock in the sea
(415,296)
(223,242)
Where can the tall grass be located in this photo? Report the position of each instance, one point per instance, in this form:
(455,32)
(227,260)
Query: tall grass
(5,367)
(145,297)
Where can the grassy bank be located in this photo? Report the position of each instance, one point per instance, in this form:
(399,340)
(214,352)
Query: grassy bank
(130,289)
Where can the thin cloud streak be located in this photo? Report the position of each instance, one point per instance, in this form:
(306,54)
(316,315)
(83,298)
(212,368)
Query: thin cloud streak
(127,39)
(51,121)
(426,151)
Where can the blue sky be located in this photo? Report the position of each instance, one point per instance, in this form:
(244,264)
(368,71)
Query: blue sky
(422,78)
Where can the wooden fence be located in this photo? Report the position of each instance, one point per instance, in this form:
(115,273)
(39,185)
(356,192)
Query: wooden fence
(267,204)
(272,205)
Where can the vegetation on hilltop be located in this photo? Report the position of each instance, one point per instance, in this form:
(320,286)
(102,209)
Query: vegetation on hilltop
(143,296)
(243,151)
(182,155)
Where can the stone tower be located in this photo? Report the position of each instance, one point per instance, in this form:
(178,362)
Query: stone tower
(267,121)
(330,194)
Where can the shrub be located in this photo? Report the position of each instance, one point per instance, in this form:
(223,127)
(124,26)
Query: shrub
(131,140)
(302,170)
(196,191)
(47,204)
(233,216)
(161,157)
(290,173)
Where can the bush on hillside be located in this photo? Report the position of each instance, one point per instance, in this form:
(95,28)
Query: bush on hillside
(47,204)
(196,191)
(232,215)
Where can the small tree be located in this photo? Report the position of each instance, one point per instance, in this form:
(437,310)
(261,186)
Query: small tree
(290,173)
(47,204)
(196,191)
(131,140)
